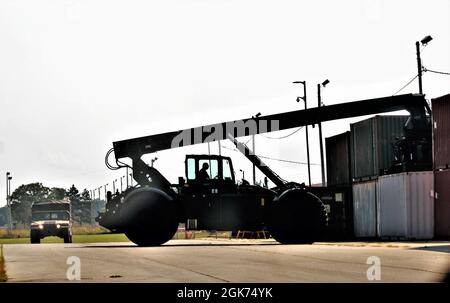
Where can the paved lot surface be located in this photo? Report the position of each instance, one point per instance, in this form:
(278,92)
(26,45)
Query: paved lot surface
(228,261)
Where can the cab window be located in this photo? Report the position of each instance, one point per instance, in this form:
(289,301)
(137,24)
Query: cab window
(190,169)
(227,170)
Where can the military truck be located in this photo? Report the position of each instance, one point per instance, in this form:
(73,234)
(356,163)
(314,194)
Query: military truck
(51,218)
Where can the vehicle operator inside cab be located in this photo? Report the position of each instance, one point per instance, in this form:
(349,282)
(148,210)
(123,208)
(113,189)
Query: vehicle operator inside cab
(202,174)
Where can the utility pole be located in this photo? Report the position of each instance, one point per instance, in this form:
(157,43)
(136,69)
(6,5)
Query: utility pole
(322,164)
(307,137)
(254,167)
(306,127)
(8,199)
(253,149)
(424,42)
(419,67)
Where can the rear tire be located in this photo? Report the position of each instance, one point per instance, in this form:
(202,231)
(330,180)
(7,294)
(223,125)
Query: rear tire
(297,217)
(150,216)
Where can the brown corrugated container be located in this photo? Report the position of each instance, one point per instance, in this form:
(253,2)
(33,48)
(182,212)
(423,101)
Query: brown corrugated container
(441,132)
(442,204)
(338,159)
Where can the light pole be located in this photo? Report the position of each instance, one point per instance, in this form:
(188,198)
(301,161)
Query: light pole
(114,186)
(156,158)
(8,198)
(121,184)
(127,176)
(131,179)
(424,42)
(106,189)
(7,188)
(243,174)
(253,149)
(306,128)
(319,100)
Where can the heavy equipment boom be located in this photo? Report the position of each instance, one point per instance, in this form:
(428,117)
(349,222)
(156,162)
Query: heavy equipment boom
(135,148)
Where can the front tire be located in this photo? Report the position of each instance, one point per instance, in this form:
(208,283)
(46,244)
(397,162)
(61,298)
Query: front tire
(150,216)
(35,237)
(297,217)
(67,237)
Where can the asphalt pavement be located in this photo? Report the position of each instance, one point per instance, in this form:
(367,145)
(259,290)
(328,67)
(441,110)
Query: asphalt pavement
(228,261)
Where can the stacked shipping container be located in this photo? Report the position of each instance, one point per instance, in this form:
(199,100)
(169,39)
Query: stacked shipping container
(365,209)
(388,206)
(405,206)
(371,149)
(338,159)
(441,164)
(372,145)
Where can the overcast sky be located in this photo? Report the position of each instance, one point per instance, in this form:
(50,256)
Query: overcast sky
(77,75)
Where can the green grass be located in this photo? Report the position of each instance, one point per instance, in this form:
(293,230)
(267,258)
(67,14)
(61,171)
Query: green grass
(3,276)
(97,236)
(76,230)
(75,238)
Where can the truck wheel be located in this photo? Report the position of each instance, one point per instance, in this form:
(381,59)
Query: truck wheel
(34,238)
(297,217)
(67,238)
(150,216)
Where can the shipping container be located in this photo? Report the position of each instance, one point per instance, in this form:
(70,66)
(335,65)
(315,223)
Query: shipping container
(365,209)
(338,160)
(441,132)
(405,205)
(372,145)
(339,207)
(442,204)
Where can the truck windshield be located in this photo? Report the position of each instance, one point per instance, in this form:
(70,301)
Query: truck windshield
(54,215)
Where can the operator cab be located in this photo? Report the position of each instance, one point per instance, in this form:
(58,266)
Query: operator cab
(217,169)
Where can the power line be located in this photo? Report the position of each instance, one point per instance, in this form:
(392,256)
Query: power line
(288,161)
(434,71)
(404,86)
(282,137)
(275,159)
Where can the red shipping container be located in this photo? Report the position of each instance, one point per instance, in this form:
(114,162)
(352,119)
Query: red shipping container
(441,132)
(442,203)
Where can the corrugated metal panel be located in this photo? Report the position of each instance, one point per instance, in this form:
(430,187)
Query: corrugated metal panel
(362,148)
(371,144)
(405,205)
(338,159)
(365,209)
(442,203)
(441,131)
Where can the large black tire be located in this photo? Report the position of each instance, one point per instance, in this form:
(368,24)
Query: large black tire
(150,216)
(34,237)
(297,217)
